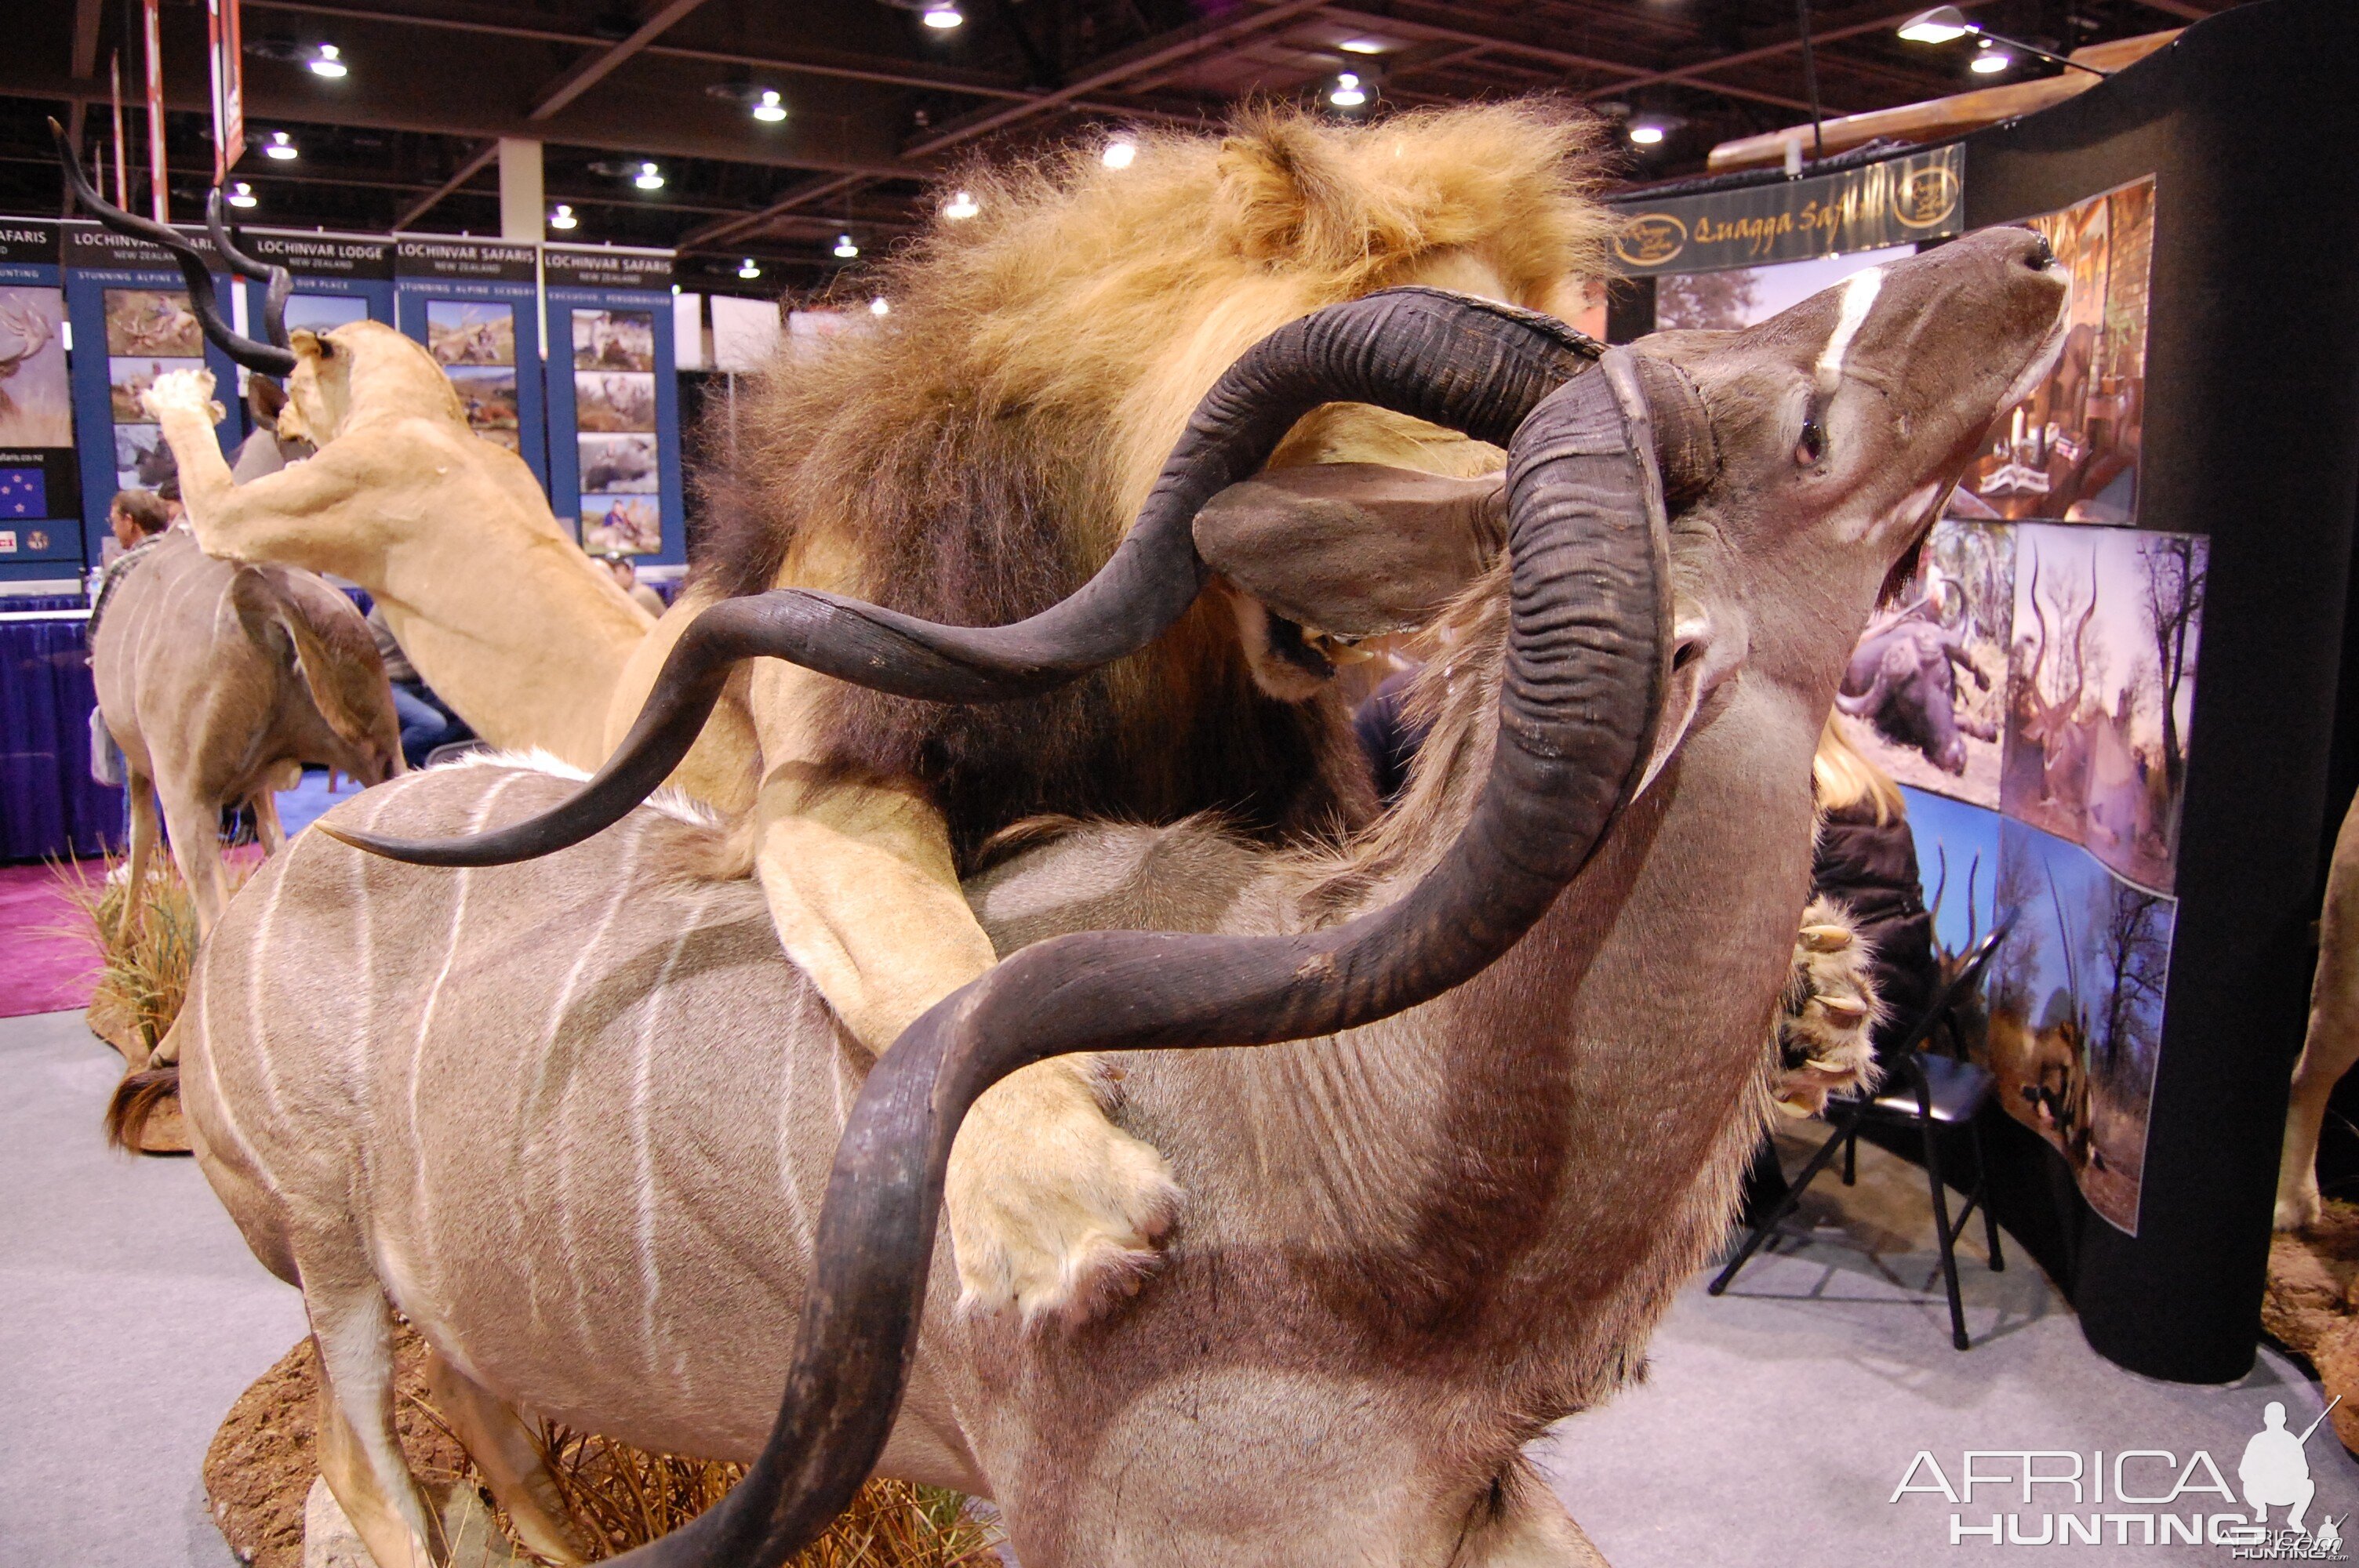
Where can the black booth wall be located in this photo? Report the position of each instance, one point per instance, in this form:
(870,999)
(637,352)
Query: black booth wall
(2248,124)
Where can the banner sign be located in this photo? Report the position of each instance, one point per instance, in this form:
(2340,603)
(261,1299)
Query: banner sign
(614,400)
(1900,201)
(133,321)
(159,189)
(222,33)
(338,277)
(40,483)
(475,304)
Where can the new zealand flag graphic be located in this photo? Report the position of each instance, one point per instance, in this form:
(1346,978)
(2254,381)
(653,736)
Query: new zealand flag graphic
(23,493)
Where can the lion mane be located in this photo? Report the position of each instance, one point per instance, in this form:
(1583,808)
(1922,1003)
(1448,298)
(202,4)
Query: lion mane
(978,453)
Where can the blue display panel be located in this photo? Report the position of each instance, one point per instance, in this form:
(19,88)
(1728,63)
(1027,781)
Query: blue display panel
(338,277)
(40,490)
(614,400)
(474,305)
(129,308)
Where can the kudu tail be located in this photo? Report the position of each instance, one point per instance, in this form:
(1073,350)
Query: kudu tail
(137,1100)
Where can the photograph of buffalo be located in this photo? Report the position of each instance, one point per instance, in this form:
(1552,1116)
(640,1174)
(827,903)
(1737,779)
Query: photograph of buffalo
(2069,451)
(613,339)
(36,408)
(2076,1007)
(632,525)
(142,460)
(610,400)
(2101,682)
(1924,693)
(1741,296)
(460,332)
(488,394)
(155,321)
(624,462)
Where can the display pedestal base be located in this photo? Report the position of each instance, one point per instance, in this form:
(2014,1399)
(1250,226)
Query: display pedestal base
(2312,1305)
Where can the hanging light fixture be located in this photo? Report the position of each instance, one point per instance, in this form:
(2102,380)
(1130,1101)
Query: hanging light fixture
(326,61)
(563,218)
(242,195)
(748,270)
(1647,134)
(943,16)
(1989,61)
(280,146)
(649,178)
(1347,92)
(1944,23)
(878,306)
(961,206)
(767,108)
(845,248)
(1119,154)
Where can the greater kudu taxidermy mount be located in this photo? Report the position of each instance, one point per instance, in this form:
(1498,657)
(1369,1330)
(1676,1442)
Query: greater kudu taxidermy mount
(522,635)
(1529,1013)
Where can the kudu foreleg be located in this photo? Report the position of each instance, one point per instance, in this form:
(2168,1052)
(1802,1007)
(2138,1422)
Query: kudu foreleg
(496,1438)
(2332,1044)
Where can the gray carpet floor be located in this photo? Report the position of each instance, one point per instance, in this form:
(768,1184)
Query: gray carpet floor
(1773,1426)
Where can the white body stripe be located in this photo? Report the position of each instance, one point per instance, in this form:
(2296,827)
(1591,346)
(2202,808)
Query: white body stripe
(1859,292)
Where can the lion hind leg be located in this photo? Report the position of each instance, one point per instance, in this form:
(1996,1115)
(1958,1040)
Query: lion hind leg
(1053,1209)
(495,1437)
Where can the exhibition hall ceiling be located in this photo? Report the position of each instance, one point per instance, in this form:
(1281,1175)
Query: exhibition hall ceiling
(865,107)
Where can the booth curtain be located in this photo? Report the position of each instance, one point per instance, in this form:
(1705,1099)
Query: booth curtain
(48,807)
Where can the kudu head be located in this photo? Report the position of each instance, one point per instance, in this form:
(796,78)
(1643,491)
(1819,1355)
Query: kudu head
(1633,481)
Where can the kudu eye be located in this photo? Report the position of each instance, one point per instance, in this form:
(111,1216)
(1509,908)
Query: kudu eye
(1812,446)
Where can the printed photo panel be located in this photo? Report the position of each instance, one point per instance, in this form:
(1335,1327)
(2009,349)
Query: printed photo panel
(1924,693)
(36,401)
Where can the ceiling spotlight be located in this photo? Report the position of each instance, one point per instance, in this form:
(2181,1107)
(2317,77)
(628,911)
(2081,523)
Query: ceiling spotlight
(1990,61)
(1119,154)
(878,306)
(1347,92)
(563,218)
(943,16)
(1944,23)
(1361,46)
(747,269)
(280,146)
(649,178)
(845,248)
(1937,26)
(326,61)
(768,110)
(1645,134)
(242,195)
(960,205)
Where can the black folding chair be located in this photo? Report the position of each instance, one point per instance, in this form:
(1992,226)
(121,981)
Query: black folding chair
(1929,1093)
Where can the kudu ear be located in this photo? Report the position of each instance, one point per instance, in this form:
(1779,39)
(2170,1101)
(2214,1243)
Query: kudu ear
(333,651)
(1706,648)
(265,398)
(1356,549)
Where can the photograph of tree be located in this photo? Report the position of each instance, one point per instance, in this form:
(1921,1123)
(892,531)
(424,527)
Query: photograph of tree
(1741,296)
(2076,1009)
(2101,686)
(1924,693)
(2069,451)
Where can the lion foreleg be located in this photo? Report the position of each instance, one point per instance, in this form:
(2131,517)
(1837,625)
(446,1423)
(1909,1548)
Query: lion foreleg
(1827,1015)
(1051,1206)
(722,767)
(299,517)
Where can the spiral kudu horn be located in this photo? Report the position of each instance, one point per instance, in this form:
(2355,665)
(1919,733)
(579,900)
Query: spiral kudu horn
(280,282)
(1468,364)
(266,358)
(1585,669)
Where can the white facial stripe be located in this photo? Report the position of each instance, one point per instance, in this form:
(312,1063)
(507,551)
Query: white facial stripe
(1860,290)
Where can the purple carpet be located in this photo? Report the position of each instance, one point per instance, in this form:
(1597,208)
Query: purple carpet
(44,972)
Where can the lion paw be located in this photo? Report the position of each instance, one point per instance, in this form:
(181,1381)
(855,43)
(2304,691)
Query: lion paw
(183,392)
(1827,1016)
(1054,1211)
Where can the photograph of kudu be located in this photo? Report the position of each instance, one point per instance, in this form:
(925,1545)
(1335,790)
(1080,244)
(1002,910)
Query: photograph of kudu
(596,1111)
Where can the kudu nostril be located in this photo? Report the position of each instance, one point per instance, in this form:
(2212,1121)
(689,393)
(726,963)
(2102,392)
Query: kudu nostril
(2043,255)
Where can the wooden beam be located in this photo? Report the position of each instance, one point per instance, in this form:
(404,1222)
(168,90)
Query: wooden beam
(467,171)
(87,15)
(1941,117)
(593,72)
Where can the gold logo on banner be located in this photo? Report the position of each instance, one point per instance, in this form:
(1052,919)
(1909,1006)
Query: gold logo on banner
(1651,239)
(1925,198)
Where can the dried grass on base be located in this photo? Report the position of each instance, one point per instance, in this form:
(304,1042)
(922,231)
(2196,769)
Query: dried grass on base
(144,972)
(260,1466)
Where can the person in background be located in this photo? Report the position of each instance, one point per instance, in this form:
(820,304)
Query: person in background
(135,518)
(627,573)
(1866,859)
(425,723)
(169,492)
